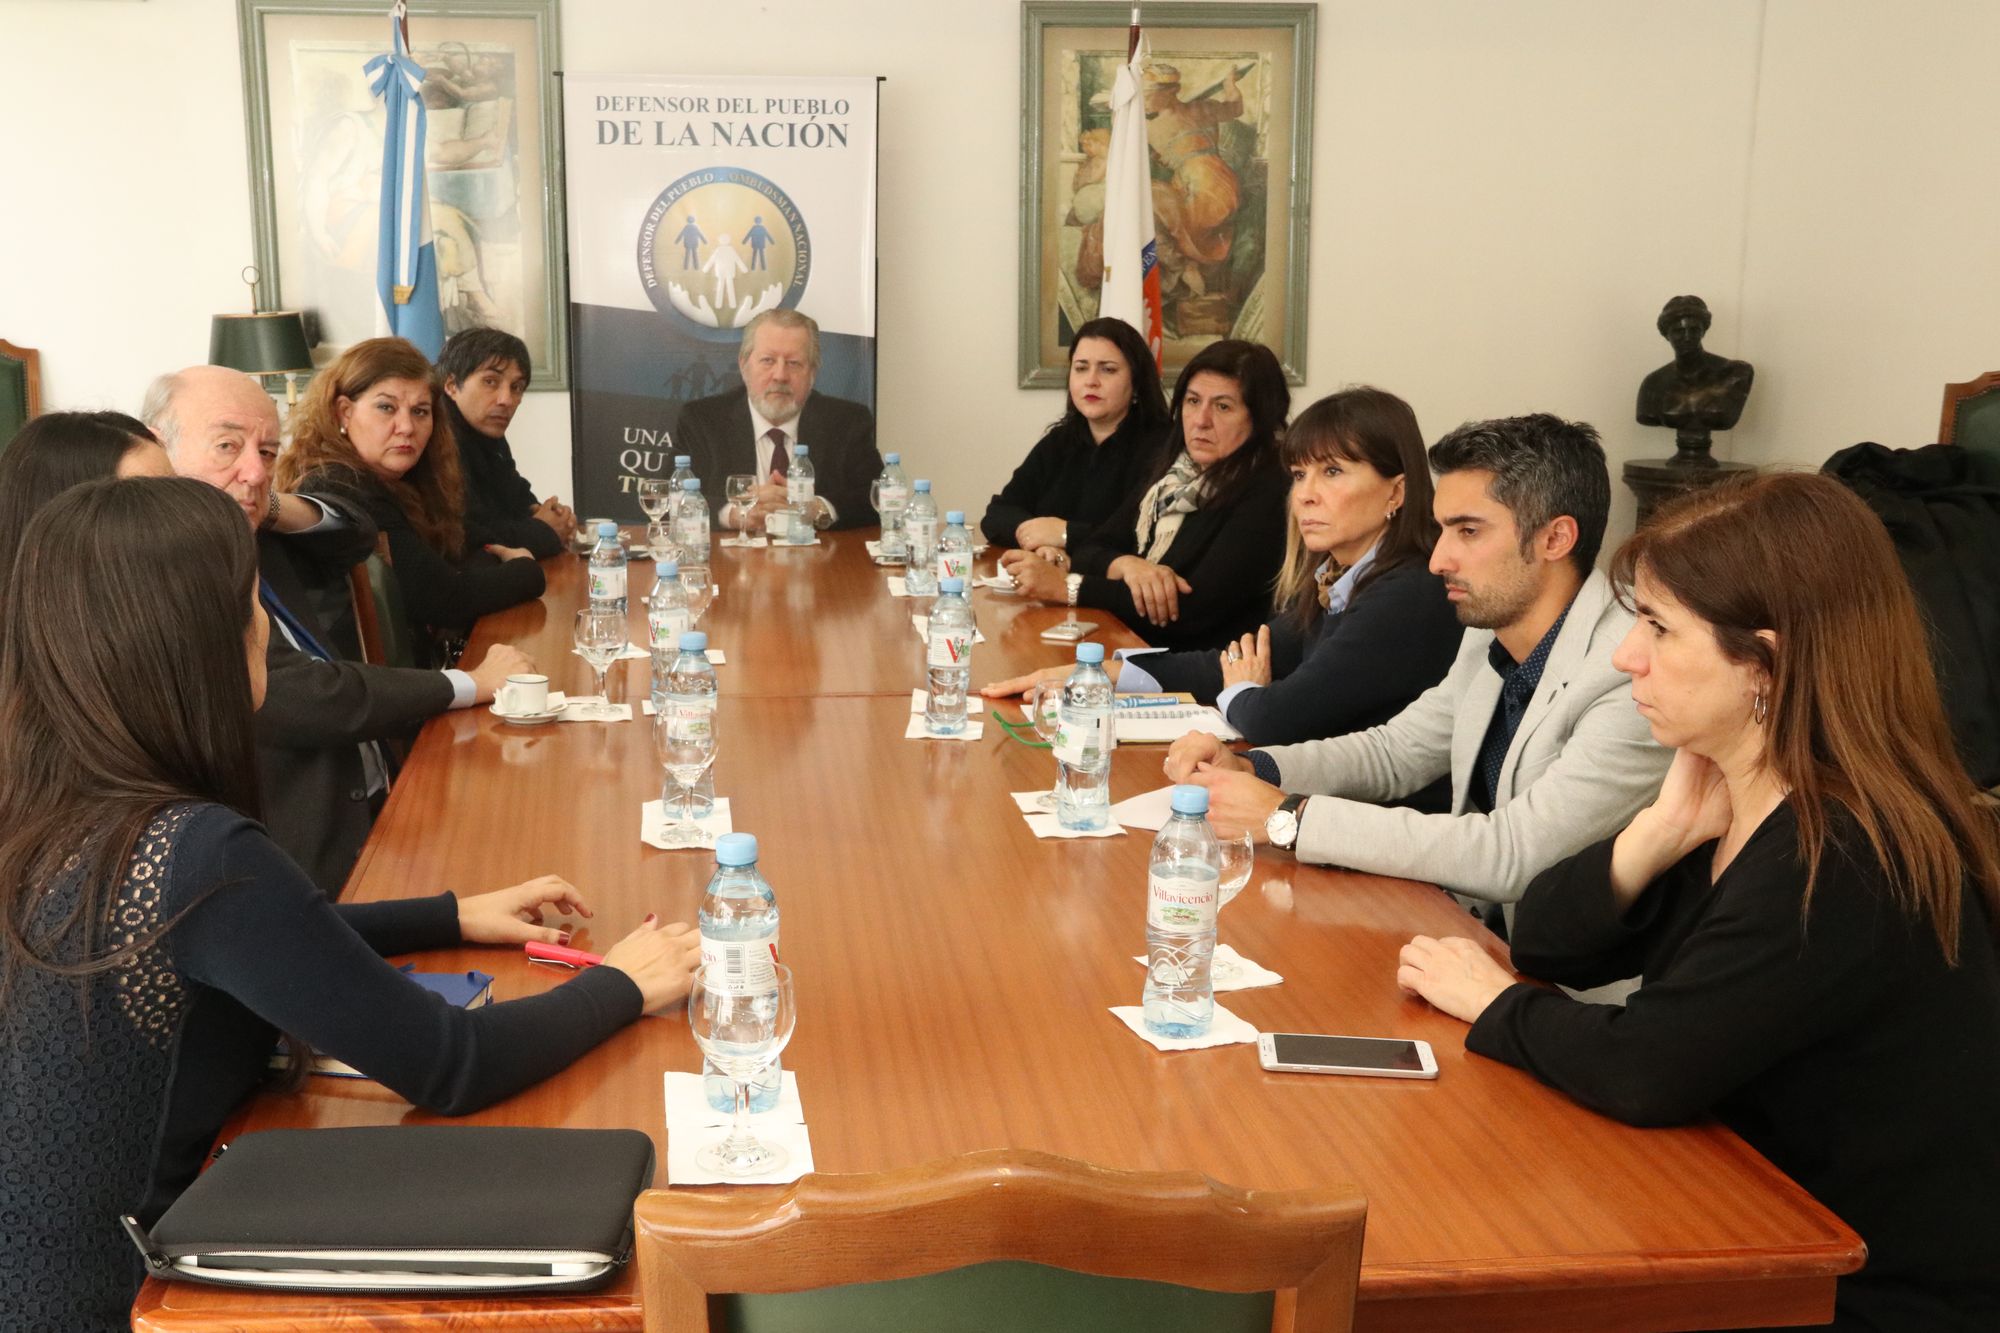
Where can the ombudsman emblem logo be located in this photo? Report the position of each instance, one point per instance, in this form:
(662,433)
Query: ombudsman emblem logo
(721,245)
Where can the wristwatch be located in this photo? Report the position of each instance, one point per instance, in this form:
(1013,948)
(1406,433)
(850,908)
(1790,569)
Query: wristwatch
(1282,828)
(1074,583)
(271,511)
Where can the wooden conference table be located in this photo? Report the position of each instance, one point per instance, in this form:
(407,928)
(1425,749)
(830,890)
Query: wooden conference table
(954,974)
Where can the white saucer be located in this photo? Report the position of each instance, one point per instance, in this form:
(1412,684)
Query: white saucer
(527,719)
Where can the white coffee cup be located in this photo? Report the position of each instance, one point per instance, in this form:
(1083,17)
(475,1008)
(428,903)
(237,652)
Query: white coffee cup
(524,695)
(778,525)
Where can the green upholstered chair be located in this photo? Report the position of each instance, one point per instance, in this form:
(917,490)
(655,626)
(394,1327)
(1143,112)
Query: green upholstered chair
(20,389)
(1001,1240)
(1972,422)
(379,618)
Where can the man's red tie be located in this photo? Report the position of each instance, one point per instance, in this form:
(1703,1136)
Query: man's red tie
(781,459)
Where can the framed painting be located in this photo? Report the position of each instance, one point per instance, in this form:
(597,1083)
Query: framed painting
(490,157)
(1228,93)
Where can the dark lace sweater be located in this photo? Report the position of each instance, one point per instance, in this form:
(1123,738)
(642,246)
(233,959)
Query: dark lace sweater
(108,1106)
(1841,1046)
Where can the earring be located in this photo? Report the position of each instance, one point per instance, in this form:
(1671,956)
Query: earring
(1759,708)
(1391,515)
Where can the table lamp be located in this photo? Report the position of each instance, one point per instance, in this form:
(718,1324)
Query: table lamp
(266,342)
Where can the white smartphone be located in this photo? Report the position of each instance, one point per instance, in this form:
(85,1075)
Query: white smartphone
(1382,1057)
(1068,631)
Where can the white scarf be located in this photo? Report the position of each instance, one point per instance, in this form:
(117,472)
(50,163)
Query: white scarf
(1166,504)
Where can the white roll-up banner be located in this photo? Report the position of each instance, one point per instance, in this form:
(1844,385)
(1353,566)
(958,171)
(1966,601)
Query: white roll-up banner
(696,203)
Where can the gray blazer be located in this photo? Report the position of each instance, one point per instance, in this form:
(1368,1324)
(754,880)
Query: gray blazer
(1581,765)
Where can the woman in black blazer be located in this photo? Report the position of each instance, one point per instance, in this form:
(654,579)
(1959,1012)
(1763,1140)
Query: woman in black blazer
(370,432)
(1101,451)
(1363,627)
(1190,559)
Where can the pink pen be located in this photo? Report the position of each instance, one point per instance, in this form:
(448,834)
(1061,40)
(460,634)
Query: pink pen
(561,955)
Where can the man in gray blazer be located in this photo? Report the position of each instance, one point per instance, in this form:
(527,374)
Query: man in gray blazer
(1535,727)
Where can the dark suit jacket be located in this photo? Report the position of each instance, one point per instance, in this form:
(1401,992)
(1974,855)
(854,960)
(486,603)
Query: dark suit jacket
(840,435)
(316,714)
(1229,553)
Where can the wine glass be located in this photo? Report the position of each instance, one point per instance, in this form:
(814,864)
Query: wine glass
(660,543)
(736,491)
(684,740)
(1239,858)
(655,495)
(599,636)
(700,591)
(1044,709)
(742,1023)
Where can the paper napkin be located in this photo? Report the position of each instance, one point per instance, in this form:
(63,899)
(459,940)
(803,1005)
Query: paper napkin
(1230,970)
(1226,1030)
(573,710)
(684,1144)
(655,820)
(1044,824)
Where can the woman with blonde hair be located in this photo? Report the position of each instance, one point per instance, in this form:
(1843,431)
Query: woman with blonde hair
(370,432)
(1811,901)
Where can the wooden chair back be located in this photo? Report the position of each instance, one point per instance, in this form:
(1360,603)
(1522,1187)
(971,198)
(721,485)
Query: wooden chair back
(1004,1211)
(20,389)
(1971,420)
(379,619)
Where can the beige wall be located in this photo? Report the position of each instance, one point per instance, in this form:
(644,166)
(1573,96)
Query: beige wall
(1503,195)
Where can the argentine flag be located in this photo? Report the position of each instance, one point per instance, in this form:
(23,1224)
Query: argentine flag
(406,276)
(1131,289)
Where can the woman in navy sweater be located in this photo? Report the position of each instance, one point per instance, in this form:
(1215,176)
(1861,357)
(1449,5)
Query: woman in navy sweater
(156,940)
(1363,627)
(1811,902)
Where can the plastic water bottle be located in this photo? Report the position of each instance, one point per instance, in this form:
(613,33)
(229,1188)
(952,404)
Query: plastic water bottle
(690,685)
(799,481)
(920,521)
(951,632)
(954,548)
(1085,737)
(690,523)
(892,498)
(1182,882)
(666,621)
(607,568)
(738,921)
(683,471)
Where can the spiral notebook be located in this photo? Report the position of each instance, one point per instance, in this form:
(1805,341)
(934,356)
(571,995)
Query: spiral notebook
(1160,726)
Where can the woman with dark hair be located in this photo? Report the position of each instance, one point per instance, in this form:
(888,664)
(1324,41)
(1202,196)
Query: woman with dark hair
(58,450)
(156,941)
(370,432)
(1811,901)
(1096,455)
(1362,625)
(1193,554)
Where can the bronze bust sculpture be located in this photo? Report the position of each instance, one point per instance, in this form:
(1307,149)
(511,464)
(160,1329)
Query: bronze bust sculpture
(1697,392)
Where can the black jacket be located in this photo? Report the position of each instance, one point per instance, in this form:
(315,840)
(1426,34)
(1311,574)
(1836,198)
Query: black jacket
(1068,475)
(1228,553)
(716,434)
(499,503)
(1396,639)
(316,713)
(1946,527)
(442,597)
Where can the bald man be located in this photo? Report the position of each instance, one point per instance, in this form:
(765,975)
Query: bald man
(322,773)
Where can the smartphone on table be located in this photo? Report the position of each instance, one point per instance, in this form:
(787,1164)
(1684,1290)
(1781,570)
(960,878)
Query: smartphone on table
(1380,1057)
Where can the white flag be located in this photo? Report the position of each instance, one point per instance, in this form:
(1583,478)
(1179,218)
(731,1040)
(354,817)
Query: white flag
(1131,290)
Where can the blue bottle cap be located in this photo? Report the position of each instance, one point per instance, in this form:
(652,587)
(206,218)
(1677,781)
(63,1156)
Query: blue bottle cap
(670,569)
(1190,800)
(954,516)
(798,451)
(736,849)
(691,484)
(951,585)
(607,529)
(924,486)
(892,459)
(683,460)
(694,641)
(1092,653)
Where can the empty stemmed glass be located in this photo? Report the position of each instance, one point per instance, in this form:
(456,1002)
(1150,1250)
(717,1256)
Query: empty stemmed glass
(741,1023)
(599,636)
(736,490)
(1044,709)
(684,740)
(1239,858)
(700,591)
(655,495)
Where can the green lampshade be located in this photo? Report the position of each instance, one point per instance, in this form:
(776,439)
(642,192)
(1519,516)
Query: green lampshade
(271,343)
